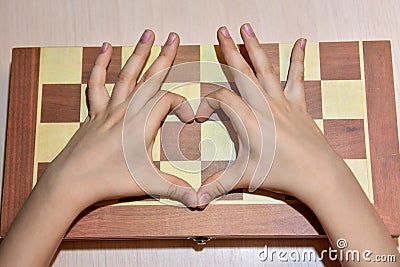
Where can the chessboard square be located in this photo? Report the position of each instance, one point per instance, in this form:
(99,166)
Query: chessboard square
(84,104)
(359,167)
(320,124)
(190,171)
(216,142)
(343,99)
(213,72)
(179,141)
(60,103)
(340,60)
(272,52)
(346,136)
(285,51)
(191,91)
(208,168)
(187,53)
(61,65)
(313,98)
(114,67)
(52,139)
(311,62)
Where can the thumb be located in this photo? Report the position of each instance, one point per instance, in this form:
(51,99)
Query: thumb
(217,185)
(179,190)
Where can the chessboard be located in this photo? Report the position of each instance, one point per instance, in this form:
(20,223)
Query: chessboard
(349,92)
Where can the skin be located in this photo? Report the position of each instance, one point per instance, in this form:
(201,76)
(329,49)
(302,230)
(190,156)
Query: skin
(303,168)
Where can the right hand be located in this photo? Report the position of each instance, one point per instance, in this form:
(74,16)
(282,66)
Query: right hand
(303,157)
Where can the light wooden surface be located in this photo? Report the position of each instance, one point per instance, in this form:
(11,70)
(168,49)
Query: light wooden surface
(85,22)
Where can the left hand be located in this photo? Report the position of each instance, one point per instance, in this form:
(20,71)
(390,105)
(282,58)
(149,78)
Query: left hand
(93,162)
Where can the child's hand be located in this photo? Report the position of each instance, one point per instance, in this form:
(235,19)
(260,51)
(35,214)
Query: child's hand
(93,162)
(295,131)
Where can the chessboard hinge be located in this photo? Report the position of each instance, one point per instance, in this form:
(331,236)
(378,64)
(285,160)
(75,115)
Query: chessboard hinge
(201,240)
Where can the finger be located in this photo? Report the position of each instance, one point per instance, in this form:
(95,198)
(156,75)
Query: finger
(244,77)
(129,74)
(165,59)
(179,190)
(218,185)
(97,94)
(167,102)
(294,90)
(254,134)
(230,103)
(262,65)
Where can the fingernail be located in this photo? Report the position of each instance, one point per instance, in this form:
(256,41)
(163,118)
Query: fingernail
(249,30)
(104,47)
(145,36)
(189,200)
(225,32)
(171,38)
(204,199)
(303,43)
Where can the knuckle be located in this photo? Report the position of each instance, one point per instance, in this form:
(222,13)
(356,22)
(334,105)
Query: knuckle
(299,77)
(220,188)
(172,191)
(123,77)
(268,70)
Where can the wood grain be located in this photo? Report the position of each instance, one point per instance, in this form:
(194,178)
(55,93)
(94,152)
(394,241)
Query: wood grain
(89,57)
(381,110)
(21,131)
(122,22)
(346,136)
(339,61)
(215,221)
(55,108)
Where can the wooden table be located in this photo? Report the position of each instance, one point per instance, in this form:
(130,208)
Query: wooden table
(87,23)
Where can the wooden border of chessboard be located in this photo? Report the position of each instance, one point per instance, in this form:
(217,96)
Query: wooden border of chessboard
(109,222)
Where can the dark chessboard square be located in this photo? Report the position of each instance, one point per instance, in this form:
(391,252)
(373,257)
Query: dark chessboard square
(187,53)
(89,56)
(346,136)
(339,61)
(313,98)
(180,141)
(272,52)
(61,103)
(208,168)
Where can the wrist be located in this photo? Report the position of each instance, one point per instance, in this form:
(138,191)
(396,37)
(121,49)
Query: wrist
(67,192)
(329,180)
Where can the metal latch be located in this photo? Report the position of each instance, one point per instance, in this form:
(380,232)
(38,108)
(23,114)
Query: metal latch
(201,240)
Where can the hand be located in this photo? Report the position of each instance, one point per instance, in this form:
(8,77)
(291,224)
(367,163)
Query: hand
(302,156)
(304,165)
(93,161)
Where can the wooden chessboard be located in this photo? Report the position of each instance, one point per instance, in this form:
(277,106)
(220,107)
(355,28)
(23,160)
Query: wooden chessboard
(349,93)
